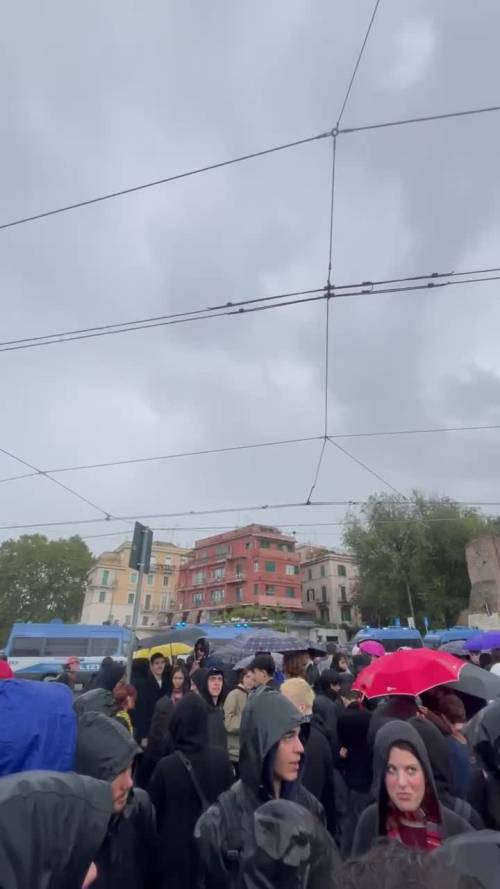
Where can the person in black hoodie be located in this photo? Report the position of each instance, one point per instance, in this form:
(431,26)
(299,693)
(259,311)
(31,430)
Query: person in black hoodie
(182,786)
(266,830)
(327,700)
(159,742)
(317,774)
(355,764)
(51,829)
(441,768)
(150,688)
(106,750)
(101,699)
(407,806)
(209,684)
(486,745)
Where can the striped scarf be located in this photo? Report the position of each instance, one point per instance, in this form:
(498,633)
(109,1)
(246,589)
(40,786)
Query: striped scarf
(417,830)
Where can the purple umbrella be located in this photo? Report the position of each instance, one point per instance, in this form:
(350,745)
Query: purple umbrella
(483,641)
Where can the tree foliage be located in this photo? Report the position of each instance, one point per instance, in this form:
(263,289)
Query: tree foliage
(413,552)
(42,579)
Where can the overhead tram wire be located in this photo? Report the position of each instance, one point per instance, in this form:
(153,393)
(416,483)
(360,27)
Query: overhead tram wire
(449,115)
(366,467)
(358,61)
(231,510)
(257,304)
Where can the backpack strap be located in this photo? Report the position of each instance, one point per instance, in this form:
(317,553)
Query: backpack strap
(232,831)
(196,784)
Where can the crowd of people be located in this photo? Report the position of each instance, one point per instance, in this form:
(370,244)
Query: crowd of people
(190,775)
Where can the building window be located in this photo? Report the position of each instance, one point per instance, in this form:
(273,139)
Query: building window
(218,573)
(248,544)
(150,580)
(133,577)
(323,594)
(345,614)
(168,560)
(310,595)
(217,595)
(163,605)
(325,614)
(131,597)
(198,598)
(198,577)
(239,571)
(105,577)
(265,544)
(290,592)
(270,566)
(343,594)
(102,596)
(269,589)
(322,570)
(147,602)
(145,621)
(309,574)
(290,570)
(165,580)
(222,550)
(239,594)
(341,571)
(128,620)
(256,589)
(256,566)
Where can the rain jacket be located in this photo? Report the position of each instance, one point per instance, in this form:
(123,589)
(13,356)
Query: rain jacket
(51,828)
(216,728)
(172,789)
(371,825)
(486,743)
(127,857)
(98,700)
(234,705)
(244,843)
(37,727)
(474,854)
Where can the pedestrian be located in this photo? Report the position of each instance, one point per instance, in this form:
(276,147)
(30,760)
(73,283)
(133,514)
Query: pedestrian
(328,691)
(295,664)
(495,661)
(486,744)
(183,785)
(69,673)
(37,727)
(312,672)
(263,669)
(340,665)
(407,806)
(150,688)
(180,684)
(198,659)
(355,764)
(394,865)
(51,829)
(125,697)
(437,750)
(159,741)
(270,762)
(96,678)
(101,699)
(234,705)
(106,750)
(317,773)
(209,684)
(449,716)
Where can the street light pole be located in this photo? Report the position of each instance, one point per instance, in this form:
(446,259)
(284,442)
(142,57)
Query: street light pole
(138,593)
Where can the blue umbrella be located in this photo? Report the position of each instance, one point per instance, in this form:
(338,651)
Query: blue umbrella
(483,641)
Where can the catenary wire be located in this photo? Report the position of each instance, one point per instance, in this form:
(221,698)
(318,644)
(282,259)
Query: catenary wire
(424,119)
(366,467)
(358,61)
(316,474)
(164,181)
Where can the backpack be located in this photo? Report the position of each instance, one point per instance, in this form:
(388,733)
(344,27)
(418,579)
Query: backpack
(231,828)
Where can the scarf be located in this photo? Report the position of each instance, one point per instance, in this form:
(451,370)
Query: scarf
(123,714)
(418,830)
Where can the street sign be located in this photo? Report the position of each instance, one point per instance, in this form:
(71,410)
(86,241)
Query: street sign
(140,551)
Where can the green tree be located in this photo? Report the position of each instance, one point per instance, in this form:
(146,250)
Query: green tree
(41,579)
(411,557)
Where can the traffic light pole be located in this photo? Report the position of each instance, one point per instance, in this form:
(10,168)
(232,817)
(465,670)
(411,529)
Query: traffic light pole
(138,594)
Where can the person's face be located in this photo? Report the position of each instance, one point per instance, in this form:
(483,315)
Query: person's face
(178,680)
(157,667)
(74,666)
(215,686)
(404,780)
(474,656)
(199,653)
(248,681)
(91,876)
(260,677)
(335,688)
(287,759)
(130,703)
(342,663)
(121,787)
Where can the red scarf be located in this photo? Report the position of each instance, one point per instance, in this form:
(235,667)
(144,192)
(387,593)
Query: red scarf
(418,830)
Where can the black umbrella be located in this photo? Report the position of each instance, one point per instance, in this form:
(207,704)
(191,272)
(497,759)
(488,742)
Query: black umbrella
(185,635)
(475,681)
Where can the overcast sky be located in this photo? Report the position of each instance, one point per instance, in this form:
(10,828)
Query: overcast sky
(97,97)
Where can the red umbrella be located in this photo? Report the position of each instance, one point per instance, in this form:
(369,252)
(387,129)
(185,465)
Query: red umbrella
(409,672)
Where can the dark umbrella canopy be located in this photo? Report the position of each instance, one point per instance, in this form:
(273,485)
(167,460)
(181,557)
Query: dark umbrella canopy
(475,681)
(185,635)
(263,640)
(456,648)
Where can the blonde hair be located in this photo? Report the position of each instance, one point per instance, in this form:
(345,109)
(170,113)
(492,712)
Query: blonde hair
(300,693)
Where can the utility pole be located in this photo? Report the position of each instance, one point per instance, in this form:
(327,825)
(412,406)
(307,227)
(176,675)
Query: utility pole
(140,556)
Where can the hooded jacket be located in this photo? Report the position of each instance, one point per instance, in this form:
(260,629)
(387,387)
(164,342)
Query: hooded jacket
(371,825)
(439,758)
(37,726)
(98,700)
(159,742)
(318,771)
(127,857)
(174,795)
(51,829)
(266,719)
(353,728)
(234,705)
(485,738)
(148,695)
(216,728)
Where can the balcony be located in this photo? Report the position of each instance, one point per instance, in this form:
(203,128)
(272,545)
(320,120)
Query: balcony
(236,577)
